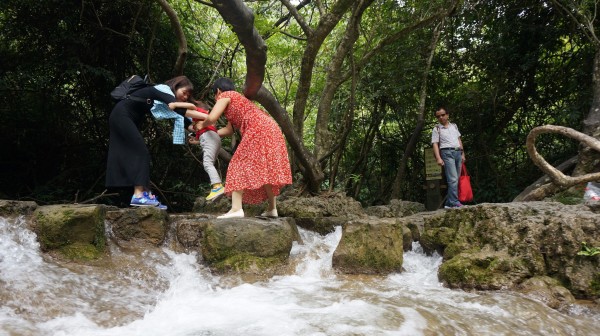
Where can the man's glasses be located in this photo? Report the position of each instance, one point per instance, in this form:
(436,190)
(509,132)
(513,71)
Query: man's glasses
(440,115)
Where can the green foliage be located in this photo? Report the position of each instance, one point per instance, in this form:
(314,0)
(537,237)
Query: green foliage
(59,67)
(501,68)
(588,251)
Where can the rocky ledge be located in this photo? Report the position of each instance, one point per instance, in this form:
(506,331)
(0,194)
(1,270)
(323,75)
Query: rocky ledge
(548,250)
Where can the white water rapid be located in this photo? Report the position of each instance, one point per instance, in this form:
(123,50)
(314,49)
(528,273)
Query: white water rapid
(161,292)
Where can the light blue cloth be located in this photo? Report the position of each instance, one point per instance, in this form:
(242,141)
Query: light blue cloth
(160,110)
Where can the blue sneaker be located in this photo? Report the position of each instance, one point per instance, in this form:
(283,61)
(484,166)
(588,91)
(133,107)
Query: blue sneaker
(151,196)
(143,201)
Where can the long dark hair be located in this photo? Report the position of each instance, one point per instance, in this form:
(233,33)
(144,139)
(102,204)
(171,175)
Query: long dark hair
(223,84)
(179,82)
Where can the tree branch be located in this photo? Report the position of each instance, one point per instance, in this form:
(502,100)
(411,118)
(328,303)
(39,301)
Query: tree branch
(178,30)
(241,19)
(555,175)
(294,12)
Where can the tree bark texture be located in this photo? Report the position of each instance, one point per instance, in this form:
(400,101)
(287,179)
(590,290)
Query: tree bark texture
(241,19)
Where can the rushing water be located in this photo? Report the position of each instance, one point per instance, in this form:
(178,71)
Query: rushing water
(161,292)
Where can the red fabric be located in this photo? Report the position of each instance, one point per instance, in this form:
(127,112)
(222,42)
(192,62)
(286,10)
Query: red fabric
(465,193)
(261,156)
(202,130)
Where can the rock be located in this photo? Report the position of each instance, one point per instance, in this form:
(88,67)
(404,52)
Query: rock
(485,269)
(73,231)
(10,208)
(321,225)
(396,208)
(326,205)
(321,213)
(189,229)
(491,246)
(223,204)
(145,225)
(547,290)
(248,245)
(370,246)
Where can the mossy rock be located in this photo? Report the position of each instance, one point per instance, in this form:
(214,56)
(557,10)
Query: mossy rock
(483,270)
(246,263)
(148,225)
(247,244)
(81,252)
(370,246)
(595,285)
(73,230)
(436,239)
(10,208)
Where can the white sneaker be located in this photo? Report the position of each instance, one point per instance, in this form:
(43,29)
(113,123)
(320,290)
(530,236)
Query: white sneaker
(234,214)
(270,214)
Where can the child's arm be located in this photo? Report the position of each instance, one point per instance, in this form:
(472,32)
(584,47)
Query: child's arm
(195,114)
(184,105)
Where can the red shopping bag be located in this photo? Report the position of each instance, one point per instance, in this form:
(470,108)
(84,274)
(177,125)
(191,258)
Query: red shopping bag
(465,193)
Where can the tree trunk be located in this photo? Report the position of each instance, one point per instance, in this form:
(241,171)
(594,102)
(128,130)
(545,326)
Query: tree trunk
(376,118)
(181,40)
(412,143)
(240,17)
(349,120)
(314,41)
(589,160)
(311,171)
(585,17)
(334,80)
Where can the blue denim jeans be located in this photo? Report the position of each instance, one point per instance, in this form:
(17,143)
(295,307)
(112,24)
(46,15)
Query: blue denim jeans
(452,163)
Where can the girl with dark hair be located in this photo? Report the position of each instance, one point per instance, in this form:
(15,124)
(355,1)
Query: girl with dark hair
(128,162)
(260,166)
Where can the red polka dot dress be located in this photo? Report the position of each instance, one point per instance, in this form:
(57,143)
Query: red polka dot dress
(261,156)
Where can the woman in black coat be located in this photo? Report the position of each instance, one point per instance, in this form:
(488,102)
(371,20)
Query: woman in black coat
(128,161)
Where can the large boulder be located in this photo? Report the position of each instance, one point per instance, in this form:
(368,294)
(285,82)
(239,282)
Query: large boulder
(74,232)
(246,245)
(493,246)
(138,226)
(370,246)
(324,205)
(321,213)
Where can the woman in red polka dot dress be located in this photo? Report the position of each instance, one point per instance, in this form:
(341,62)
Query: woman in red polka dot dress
(260,166)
